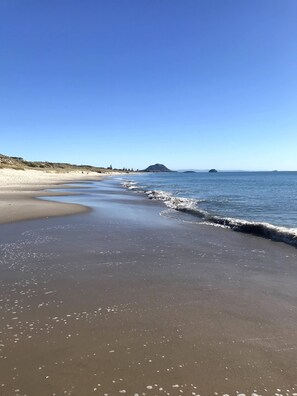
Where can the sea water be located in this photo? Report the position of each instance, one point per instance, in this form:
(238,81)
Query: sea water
(262,203)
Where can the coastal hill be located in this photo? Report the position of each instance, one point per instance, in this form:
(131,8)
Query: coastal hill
(21,164)
(213,171)
(157,168)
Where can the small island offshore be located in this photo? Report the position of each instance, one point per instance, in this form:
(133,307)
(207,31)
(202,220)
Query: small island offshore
(157,168)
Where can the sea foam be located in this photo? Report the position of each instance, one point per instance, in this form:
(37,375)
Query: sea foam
(191,206)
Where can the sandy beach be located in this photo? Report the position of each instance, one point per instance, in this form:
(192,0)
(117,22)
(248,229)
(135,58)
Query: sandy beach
(122,300)
(19,189)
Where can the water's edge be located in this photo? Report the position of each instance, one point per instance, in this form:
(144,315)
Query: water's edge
(190,206)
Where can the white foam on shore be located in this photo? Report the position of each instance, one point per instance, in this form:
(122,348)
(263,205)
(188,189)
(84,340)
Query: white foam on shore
(267,230)
(172,202)
(190,206)
(130,185)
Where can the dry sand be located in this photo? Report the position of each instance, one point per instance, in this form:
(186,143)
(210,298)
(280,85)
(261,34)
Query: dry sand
(19,189)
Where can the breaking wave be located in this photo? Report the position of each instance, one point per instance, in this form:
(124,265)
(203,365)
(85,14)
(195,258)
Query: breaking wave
(191,206)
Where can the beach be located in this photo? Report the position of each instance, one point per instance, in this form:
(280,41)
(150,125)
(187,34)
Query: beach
(115,298)
(19,189)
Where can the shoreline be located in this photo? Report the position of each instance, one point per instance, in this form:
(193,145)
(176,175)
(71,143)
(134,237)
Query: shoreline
(190,207)
(124,301)
(21,189)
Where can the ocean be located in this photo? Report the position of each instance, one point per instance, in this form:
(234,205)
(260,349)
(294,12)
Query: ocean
(260,203)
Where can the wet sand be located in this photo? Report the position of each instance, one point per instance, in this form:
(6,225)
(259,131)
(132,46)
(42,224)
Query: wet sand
(121,300)
(19,190)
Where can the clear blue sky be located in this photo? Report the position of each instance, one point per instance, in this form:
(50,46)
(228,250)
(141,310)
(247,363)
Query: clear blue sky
(189,83)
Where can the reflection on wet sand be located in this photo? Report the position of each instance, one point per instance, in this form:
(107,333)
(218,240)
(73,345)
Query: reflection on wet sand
(124,301)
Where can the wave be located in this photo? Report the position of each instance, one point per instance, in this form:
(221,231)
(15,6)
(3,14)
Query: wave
(261,229)
(131,185)
(190,206)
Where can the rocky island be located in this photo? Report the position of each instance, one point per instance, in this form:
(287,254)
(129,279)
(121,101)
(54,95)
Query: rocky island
(157,168)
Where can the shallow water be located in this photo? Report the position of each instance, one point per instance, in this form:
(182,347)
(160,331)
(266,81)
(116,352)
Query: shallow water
(262,203)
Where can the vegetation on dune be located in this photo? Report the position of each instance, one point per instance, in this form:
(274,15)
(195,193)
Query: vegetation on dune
(21,164)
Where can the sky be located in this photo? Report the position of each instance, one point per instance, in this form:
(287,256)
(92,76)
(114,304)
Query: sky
(192,84)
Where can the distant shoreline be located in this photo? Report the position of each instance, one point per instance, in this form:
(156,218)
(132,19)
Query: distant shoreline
(20,190)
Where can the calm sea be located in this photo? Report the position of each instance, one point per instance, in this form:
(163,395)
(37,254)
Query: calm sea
(262,203)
